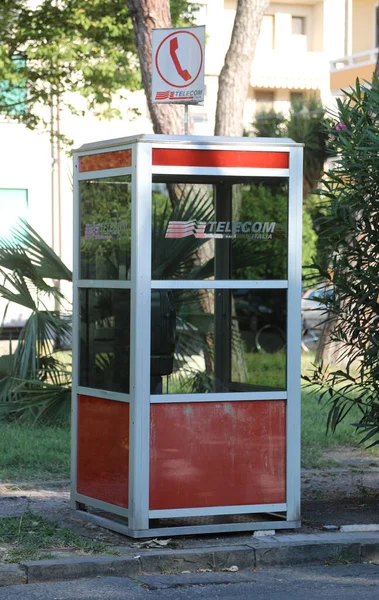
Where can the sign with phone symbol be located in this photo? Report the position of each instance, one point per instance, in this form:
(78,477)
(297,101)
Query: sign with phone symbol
(178,65)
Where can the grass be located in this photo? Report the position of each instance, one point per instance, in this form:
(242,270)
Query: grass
(267,370)
(264,370)
(29,537)
(315,441)
(33,453)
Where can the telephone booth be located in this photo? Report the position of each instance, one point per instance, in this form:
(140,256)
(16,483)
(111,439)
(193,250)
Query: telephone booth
(186,334)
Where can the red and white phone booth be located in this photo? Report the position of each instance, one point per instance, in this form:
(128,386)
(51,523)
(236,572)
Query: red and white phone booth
(187,324)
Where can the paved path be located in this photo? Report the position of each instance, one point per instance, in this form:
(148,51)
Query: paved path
(345,582)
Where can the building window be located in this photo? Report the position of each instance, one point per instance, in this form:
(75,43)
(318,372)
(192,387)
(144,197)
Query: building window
(377,26)
(13,97)
(264,101)
(13,205)
(298,25)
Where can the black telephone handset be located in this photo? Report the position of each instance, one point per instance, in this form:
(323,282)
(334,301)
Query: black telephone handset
(163,332)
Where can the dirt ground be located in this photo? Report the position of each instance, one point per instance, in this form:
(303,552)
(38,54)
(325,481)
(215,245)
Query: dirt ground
(355,473)
(345,494)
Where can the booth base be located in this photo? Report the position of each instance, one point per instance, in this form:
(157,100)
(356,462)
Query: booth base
(191,525)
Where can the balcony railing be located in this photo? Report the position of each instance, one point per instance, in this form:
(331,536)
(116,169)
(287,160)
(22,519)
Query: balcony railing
(345,71)
(361,59)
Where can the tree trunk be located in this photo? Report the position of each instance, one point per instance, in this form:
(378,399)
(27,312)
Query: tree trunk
(235,74)
(147,15)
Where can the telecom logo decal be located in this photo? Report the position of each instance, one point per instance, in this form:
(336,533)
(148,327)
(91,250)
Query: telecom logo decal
(105,231)
(178,95)
(164,95)
(220,229)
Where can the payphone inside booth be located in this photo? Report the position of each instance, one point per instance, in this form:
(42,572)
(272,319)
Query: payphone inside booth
(187,281)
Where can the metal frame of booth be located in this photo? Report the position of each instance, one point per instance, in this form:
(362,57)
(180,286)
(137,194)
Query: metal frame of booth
(142,157)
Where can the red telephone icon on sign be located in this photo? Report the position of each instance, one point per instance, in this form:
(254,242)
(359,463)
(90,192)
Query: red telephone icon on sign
(184,74)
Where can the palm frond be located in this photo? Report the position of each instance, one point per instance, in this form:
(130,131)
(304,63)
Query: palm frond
(25,241)
(18,290)
(175,258)
(37,340)
(41,401)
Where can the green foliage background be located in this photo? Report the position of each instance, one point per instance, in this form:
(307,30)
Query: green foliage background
(71,46)
(349,209)
(306,123)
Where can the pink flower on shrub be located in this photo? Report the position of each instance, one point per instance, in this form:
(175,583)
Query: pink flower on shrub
(340,127)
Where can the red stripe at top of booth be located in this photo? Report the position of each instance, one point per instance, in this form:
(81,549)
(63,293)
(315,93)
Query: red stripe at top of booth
(105,160)
(220,158)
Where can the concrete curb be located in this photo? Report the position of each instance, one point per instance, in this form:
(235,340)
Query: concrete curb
(278,550)
(12,575)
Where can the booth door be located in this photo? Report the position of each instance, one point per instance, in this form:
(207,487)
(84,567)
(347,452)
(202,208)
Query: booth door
(219,342)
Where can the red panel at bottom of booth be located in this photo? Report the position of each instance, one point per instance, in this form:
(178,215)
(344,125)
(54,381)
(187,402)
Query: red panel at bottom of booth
(103,449)
(217,454)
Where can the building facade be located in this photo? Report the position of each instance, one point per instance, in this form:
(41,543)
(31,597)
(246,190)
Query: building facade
(361,46)
(296,43)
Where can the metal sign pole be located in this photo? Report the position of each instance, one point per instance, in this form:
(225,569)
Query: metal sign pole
(186,119)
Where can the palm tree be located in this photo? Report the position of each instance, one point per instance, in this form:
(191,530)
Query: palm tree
(35,381)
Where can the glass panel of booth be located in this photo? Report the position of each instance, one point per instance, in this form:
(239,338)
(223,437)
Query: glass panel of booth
(224,228)
(104,339)
(219,228)
(105,228)
(218,340)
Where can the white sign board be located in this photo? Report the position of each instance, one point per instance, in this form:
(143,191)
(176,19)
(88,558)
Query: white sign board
(178,65)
